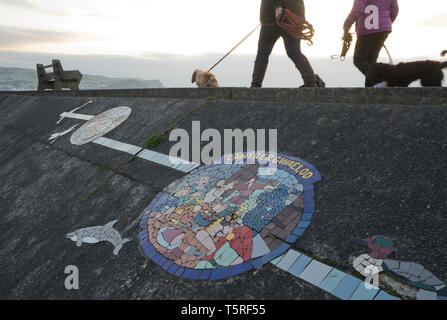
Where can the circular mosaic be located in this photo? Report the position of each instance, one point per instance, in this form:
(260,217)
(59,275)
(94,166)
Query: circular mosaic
(224,219)
(100,125)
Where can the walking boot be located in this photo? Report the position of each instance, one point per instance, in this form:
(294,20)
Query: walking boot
(258,75)
(307,73)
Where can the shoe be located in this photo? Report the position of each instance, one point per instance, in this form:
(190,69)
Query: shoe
(307,73)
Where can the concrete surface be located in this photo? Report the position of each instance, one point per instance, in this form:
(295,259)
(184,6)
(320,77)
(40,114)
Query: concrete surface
(382,156)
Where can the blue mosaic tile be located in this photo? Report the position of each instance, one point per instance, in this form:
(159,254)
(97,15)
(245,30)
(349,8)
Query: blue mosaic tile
(306,217)
(167,265)
(362,293)
(282,248)
(184,193)
(173,269)
(299,265)
(143,234)
(145,244)
(291,239)
(315,272)
(151,205)
(309,201)
(303,224)
(161,261)
(288,260)
(299,231)
(150,252)
(308,187)
(143,222)
(310,195)
(309,210)
(195,274)
(226,273)
(187,274)
(258,263)
(346,287)
(157,258)
(238,269)
(205,275)
(248,266)
(382,295)
(215,274)
(179,272)
(332,280)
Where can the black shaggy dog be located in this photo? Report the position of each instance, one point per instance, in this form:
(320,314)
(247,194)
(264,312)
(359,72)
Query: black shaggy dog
(401,75)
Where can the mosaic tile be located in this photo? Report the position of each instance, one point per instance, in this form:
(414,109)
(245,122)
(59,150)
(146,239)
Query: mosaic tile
(303,224)
(173,269)
(167,265)
(315,272)
(187,274)
(404,267)
(100,125)
(382,295)
(228,217)
(416,269)
(426,295)
(179,272)
(299,265)
(391,264)
(306,217)
(195,274)
(215,274)
(248,266)
(298,232)
(346,287)
(237,269)
(116,145)
(289,259)
(332,280)
(277,260)
(226,273)
(147,155)
(363,293)
(260,248)
(205,275)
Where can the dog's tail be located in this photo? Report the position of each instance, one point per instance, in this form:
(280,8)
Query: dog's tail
(443,53)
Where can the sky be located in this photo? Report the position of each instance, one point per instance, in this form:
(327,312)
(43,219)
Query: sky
(184,30)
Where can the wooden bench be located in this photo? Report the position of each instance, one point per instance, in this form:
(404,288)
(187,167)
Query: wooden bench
(65,79)
(58,79)
(45,80)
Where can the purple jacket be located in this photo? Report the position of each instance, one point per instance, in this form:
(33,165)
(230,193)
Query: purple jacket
(364,11)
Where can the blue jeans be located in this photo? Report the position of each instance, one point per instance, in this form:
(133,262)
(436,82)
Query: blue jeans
(267,39)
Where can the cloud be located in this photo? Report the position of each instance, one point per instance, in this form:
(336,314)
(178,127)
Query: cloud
(13,38)
(32,5)
(438,22)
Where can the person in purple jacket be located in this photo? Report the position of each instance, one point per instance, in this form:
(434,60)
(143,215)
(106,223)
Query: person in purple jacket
(374,19)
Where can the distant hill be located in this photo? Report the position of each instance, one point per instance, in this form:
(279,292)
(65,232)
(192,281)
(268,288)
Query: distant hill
(14,79)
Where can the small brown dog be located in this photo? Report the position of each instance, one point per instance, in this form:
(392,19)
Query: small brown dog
(443,53)
(204,79)
(401,75)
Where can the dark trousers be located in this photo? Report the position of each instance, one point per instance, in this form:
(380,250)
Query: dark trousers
(267,39)
(367,50)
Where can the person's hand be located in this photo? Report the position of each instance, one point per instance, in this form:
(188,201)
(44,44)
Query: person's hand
(278,12)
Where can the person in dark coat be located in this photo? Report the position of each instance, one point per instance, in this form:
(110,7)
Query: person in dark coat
(271,32)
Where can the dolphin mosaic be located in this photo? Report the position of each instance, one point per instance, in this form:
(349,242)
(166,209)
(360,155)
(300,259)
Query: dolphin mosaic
(99,234)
